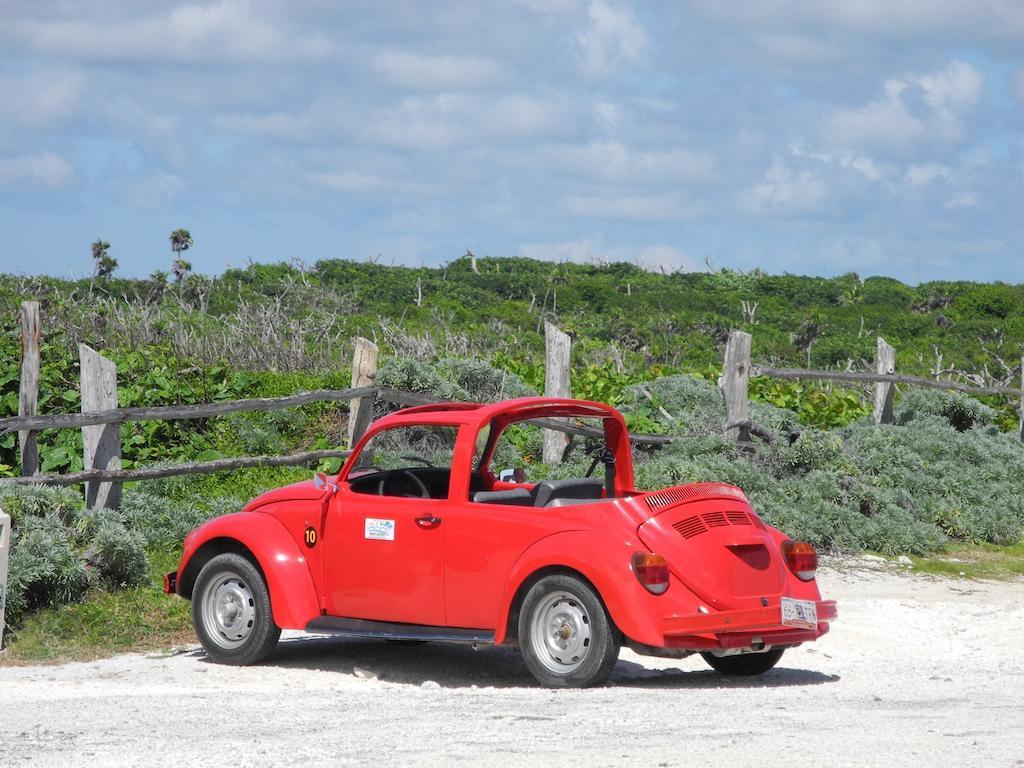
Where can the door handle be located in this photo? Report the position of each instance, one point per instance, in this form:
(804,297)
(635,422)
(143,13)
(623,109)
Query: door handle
(428,521)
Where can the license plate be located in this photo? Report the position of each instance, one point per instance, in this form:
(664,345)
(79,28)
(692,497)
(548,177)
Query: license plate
(799,613)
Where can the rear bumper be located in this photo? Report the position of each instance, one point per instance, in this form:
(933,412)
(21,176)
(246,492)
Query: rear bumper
(742,628)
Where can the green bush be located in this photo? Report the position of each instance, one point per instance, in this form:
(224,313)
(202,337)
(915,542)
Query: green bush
(481,381)
(163,521)
(46,567)
(118,555)
(961,411)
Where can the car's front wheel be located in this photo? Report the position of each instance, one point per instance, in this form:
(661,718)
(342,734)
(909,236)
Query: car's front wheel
(744,664)
(565,634)
(231,611)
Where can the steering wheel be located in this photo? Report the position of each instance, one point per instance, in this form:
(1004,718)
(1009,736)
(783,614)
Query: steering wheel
(424,493)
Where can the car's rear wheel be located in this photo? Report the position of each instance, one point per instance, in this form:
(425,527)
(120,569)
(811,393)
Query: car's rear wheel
(744,664)
(231,611)
(565,634)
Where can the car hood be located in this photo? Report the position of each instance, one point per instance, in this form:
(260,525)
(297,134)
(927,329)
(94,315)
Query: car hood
(304,491)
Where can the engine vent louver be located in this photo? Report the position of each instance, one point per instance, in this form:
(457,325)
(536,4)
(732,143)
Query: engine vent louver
(738,517)
(698,524)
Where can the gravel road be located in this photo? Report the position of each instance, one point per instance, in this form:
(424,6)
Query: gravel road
(917,671)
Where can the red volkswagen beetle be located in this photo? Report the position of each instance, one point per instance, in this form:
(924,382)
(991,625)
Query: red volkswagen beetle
(423,536)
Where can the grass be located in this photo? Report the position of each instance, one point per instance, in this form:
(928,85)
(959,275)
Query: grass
(106,623)
(975,561)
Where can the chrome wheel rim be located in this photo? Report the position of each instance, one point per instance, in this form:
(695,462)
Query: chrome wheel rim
(229,610)
(561,633)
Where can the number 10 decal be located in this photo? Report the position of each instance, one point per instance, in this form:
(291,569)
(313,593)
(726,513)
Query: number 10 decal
(310,537)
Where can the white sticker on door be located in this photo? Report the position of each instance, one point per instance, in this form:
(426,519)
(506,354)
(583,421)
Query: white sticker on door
(379,529)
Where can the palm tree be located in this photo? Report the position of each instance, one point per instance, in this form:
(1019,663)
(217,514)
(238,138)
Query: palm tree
(180,269)
(105,264)
(181,240)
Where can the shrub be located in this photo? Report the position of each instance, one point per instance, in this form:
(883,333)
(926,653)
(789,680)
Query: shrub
(118,555)
(961,411)
(46,568)
(24,501)
(162,522)
(416,376)
(481,381)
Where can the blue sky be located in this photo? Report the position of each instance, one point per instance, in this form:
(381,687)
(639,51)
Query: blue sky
(876,136)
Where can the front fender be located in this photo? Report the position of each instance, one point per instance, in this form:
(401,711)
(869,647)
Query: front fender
(604,560)
(292,593)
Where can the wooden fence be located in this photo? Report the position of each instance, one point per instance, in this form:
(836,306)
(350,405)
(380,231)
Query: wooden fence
(100,417)
(738,369)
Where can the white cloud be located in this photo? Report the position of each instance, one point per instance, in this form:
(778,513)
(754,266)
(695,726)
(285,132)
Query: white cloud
(799,49)
(657,257)
(941,179)
(631,207)
(41,97)
(413,70)
(156,191)
(913,19)
(862,164)
(607,114)
(347,181)
(611,39)
(785,190)
(886,121)
(518,115)
(427,121)
(920,175)
(614,161)
(896,121)
(225,30)
(550,7)
(44,168)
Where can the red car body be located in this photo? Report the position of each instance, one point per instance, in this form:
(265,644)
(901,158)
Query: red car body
(458,569)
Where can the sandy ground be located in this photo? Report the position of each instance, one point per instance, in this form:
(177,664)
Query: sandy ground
(917,671)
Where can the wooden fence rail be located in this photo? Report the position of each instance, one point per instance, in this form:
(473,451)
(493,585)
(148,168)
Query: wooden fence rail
(171,470)
(170,412)
(891,378)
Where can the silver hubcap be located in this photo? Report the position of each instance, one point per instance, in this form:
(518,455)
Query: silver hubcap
(229,610)
(561,632)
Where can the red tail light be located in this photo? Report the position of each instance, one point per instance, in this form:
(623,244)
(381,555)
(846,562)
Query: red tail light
(651,571)
(801,557)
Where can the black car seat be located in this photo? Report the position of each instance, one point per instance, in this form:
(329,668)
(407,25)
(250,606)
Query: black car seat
(552,490)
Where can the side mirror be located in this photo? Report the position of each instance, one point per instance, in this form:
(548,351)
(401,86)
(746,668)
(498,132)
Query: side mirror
(320,481)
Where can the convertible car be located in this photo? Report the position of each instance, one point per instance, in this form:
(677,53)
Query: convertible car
(426,535)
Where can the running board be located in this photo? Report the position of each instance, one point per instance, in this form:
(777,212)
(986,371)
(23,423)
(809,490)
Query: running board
(387,630)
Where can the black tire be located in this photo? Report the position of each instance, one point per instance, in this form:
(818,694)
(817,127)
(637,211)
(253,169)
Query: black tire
(565,634)
(745,664)
(231,611)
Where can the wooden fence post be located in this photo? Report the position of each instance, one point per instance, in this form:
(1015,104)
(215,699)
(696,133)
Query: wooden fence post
(885,362)
(5,549)
(558,349)
(102,442)
(28,394)
(1022,399)
(735,383)
(364,374)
